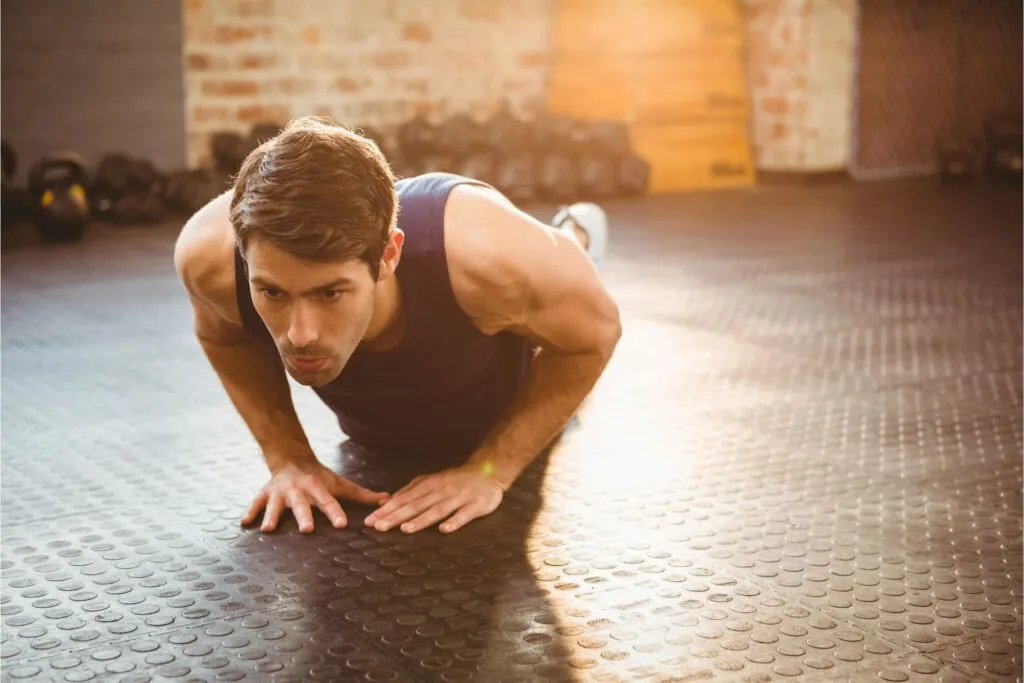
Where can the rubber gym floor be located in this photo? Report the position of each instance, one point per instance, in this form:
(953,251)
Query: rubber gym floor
(804,463)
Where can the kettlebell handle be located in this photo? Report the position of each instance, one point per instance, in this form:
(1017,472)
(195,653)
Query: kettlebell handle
(69,163)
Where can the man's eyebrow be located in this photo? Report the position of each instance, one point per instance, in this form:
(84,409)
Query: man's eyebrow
(332,284)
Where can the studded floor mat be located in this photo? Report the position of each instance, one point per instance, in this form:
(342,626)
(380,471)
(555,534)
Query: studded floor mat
(803,464)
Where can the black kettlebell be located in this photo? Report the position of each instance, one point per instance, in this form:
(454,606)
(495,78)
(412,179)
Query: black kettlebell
(59,200)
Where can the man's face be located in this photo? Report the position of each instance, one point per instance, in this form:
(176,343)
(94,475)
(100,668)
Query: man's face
(316,312)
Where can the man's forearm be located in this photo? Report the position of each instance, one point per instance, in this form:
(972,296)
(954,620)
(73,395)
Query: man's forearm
(557,385)
(258,388)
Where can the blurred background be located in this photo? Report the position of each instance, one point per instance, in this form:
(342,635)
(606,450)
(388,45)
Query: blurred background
(803,460)
(546,99)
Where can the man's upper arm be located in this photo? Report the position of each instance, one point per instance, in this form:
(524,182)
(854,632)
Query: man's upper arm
(512,272)
(199,259)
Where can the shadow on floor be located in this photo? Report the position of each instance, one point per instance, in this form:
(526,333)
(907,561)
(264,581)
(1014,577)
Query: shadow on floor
(464,606)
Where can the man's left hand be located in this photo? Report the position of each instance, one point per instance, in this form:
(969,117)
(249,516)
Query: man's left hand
(458,495)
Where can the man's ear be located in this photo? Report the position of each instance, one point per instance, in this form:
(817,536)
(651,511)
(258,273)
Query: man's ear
(392,254)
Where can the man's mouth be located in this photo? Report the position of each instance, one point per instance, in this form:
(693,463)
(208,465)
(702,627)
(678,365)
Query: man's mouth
(307,363)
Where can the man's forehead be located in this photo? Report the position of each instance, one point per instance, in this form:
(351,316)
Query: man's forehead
(280,269)
(261,255)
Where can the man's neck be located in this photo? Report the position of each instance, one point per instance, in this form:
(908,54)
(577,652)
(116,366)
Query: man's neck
(387,326)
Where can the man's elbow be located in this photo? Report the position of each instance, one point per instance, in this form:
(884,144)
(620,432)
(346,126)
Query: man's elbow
(609,330)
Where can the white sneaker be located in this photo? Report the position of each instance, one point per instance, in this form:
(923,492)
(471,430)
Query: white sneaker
(591,219)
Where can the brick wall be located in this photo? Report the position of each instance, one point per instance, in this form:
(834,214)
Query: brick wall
(777,76)
(363,62)
(801,61)
(831,67)
(376,63)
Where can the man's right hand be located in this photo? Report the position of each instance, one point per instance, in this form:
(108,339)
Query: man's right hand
(300,487)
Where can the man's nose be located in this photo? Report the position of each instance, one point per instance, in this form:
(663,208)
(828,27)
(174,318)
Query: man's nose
(302,328)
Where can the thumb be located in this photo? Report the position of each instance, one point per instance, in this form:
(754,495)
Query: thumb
(350,490)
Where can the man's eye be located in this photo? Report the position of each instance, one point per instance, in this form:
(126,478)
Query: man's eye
(331,294)
(271,293)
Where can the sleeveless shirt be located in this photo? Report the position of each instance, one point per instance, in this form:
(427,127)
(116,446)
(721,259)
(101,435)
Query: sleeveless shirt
(446,384)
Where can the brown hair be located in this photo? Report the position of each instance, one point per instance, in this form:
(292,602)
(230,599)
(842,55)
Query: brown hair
(318,191)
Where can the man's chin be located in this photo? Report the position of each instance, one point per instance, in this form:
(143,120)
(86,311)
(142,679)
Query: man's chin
(309,381)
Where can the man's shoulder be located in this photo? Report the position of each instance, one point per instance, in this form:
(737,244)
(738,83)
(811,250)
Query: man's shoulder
(511,272)
(491,246)
(484,230)
(204,257)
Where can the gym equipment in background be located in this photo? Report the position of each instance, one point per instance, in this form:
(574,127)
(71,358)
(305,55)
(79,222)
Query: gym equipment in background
(548,157)
(59,201)
(1004,149)
(13,199)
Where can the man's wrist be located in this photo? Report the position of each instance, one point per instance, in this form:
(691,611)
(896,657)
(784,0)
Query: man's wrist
(490,467)
(280,455)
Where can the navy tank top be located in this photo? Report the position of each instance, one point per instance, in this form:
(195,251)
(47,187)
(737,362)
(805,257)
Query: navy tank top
(445,386)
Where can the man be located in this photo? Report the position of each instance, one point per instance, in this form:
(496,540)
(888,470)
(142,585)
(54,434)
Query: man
(429,314)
